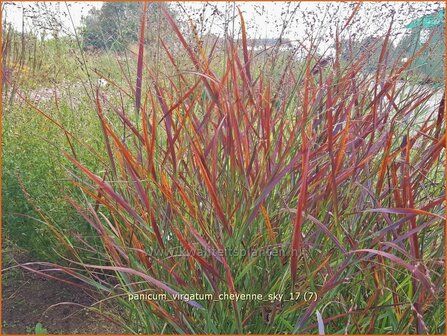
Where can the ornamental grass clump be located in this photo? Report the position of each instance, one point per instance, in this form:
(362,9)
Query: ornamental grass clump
(317,193)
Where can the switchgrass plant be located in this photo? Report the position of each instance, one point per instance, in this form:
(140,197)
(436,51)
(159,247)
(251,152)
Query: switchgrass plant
(229,200)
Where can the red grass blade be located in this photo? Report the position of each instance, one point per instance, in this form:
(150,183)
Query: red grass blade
(140,61)
(296,237)
(423,278)
(244,46)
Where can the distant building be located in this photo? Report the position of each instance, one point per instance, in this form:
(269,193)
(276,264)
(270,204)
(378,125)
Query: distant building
(269,43)
(257,44)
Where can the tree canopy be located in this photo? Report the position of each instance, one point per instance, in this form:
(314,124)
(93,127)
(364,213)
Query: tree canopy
(116,24)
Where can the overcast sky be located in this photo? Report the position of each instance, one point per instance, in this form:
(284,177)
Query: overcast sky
(13,11)
(263,19)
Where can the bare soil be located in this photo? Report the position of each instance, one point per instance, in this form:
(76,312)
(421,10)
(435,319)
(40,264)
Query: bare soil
(28,299)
